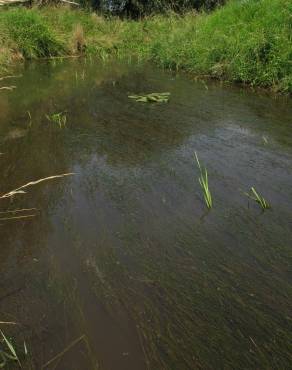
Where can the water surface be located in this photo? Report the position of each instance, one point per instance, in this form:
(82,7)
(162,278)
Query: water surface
(124,254)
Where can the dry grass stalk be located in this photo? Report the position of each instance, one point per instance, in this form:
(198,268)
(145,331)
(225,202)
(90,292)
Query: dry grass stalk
(31,183)
(5,77)
(61,354)
(10,88)
(16,217)
(19,210)
(8,323)
(79,38)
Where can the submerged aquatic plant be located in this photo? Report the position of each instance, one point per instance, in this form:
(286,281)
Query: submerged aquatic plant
(29,117)
(204,182)
(9,354)
(258,198)
(59,118)
(265,140)
(152,98)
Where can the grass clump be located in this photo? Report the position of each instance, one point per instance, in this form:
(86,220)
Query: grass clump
(258,198)
(59,118)
(204,182)
(247,41)
(244,41)
(29,34)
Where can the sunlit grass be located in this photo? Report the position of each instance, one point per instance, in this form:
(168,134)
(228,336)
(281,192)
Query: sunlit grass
(243,41)
(204,182)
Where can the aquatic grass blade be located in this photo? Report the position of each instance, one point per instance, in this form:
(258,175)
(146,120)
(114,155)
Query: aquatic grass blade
(59,118)
(11,349)
(3,360)
(204,182)
(198,162)
(25,348)
(258,198)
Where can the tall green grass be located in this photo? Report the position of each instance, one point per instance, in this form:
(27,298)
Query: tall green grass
(29,33)
(244,41)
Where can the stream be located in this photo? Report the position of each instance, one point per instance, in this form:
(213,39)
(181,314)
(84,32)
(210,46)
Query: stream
(121,266)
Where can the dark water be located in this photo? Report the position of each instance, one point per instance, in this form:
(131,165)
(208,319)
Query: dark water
(124,254)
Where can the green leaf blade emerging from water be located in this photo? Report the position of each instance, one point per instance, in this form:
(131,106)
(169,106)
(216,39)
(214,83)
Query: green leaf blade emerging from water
(258,199)
(12,355)
(204,182)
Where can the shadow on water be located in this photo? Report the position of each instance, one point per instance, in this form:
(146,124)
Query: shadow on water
(124,253)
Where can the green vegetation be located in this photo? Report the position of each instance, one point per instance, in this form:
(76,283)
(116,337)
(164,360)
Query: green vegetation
(204,182)
(59,118)
(9,354)
(243,41)
(259,199)
(151,98)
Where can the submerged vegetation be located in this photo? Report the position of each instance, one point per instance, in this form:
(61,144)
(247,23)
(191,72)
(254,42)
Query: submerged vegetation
(243,41)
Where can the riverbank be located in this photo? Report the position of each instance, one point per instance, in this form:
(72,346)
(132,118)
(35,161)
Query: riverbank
(247,41)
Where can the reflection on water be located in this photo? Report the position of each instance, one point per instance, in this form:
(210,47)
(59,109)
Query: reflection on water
(123,255)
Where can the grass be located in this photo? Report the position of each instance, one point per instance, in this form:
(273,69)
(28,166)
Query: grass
(64,351)
(259,199)
(9,354)
(59,118)
(243,41)
(29,33)
(21,190)
(204,182)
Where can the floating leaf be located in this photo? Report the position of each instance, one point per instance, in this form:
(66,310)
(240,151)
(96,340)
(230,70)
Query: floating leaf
(151,98)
